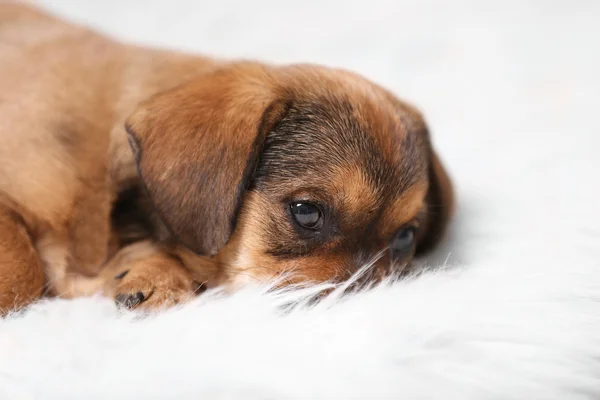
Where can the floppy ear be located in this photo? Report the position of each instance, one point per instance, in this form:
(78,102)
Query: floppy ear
(440,204)
(196,148)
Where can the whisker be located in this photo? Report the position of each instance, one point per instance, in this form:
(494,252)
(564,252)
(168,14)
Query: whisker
(262,267)
(446,261)
(236,273)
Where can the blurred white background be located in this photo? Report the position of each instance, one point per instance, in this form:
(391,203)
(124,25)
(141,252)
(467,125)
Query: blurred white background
(510,90)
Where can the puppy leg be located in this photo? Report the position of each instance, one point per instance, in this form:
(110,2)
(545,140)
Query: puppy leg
(145,277)
(21,272)
(139,276)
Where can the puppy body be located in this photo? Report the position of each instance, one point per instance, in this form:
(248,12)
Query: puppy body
(217,152)
(64,95)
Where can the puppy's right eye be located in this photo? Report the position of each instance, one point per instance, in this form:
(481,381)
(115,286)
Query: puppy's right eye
(307,215)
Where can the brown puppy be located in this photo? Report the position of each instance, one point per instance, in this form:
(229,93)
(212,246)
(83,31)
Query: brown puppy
(240,172)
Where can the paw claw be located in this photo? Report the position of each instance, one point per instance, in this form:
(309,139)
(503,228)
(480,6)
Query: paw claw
(199,287)
(122,274)
(129,300)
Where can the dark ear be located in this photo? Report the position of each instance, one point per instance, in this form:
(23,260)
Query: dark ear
(197,146)
(440,204)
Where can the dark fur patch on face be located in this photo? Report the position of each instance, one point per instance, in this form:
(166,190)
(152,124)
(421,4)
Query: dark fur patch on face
(313,142)
(324,134)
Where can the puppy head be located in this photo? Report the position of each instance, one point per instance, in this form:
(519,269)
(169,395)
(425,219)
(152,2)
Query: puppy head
(303,171)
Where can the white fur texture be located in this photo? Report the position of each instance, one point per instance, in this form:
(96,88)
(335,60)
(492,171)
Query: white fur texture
(510,90)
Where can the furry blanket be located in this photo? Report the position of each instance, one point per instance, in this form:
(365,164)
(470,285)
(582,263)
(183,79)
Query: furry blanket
(510,91)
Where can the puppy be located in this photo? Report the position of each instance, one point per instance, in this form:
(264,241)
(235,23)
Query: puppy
(143,173)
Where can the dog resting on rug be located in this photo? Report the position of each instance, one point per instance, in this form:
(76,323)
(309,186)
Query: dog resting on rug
(145,174)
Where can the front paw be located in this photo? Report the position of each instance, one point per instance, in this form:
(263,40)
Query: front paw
(152,284)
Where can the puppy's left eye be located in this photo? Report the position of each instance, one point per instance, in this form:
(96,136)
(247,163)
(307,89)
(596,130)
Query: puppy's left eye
(307,215)
(403,243)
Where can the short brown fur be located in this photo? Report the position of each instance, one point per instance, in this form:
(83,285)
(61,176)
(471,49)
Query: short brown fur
(146,173)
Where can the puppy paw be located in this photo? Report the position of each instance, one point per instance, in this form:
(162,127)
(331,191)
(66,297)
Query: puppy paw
(153,284)
(129,300)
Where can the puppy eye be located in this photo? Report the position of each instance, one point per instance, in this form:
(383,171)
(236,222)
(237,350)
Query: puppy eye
(403,243)
(307,215)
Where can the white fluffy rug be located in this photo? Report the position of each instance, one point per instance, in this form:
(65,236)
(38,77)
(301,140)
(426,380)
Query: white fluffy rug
(511,92)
